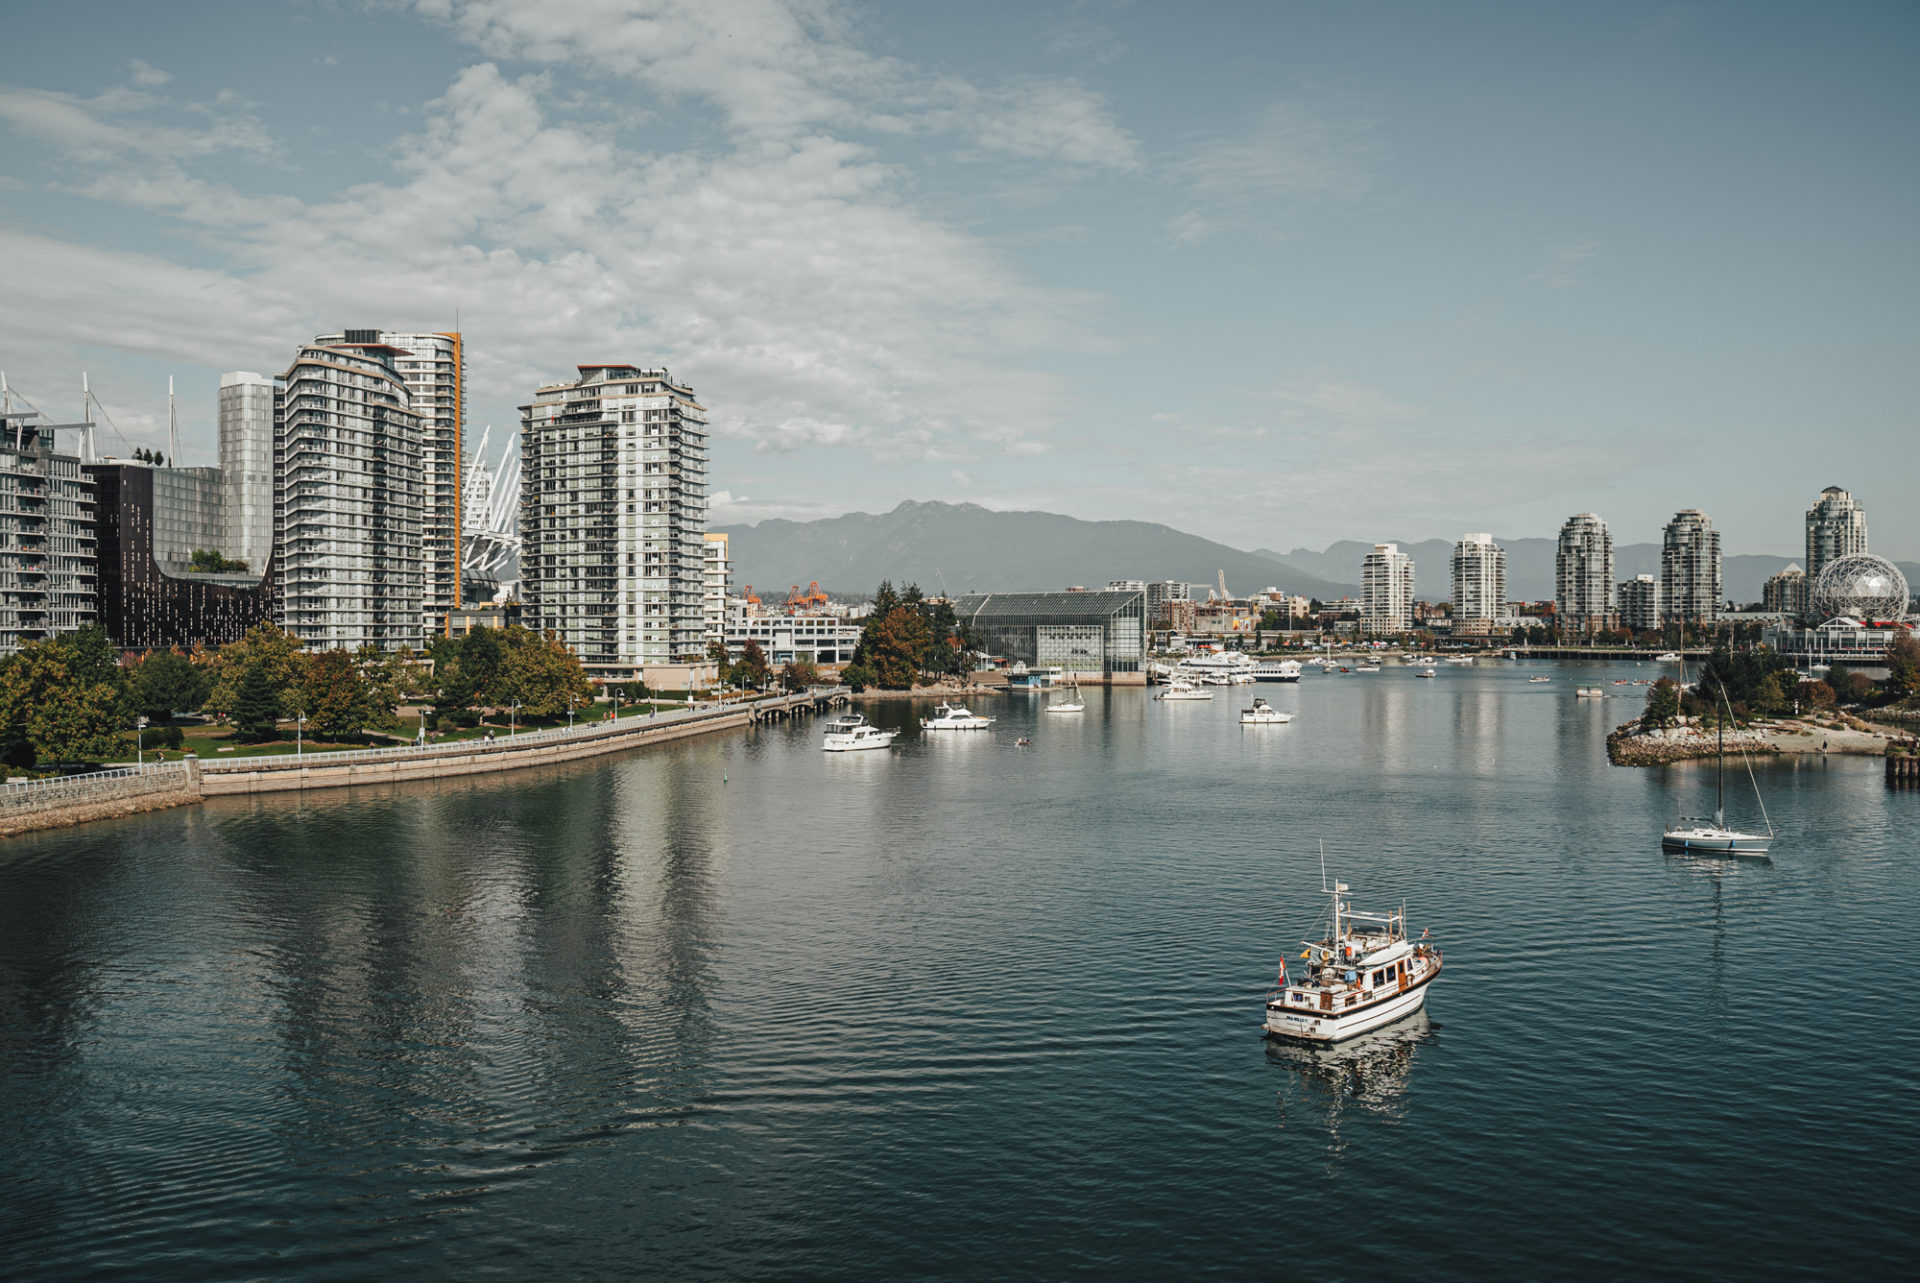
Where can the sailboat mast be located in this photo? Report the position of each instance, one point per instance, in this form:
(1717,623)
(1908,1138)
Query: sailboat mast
(1720,796)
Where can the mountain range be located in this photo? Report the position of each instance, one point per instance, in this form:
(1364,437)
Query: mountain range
(962,547)
(959,547)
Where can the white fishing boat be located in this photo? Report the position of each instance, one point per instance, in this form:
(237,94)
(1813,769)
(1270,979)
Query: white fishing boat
(1285,670)
(1668,657)
(854,739)
(1715,837)
(1073,703)
(954,717)
(1263,714)
(1364,974)
(1181,688)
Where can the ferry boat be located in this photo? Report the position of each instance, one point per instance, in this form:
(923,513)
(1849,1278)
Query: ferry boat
(856,738)
(1021,679)
(1263,714)
(1181,688)
(1216,668)
(954,717)
(1363,975)
(1285,670)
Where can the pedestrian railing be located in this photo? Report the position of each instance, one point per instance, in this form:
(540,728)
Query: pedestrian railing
(54,785)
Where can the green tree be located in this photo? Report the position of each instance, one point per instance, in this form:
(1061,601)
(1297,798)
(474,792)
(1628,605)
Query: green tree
(798,675)
(898,647)
(468,671)
(857,677)
(255,707)
(336,696)
(57,704)
(278,654)
(1663,704)
(167,682)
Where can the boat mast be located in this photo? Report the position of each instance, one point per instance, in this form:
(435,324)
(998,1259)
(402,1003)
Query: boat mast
(1720,796)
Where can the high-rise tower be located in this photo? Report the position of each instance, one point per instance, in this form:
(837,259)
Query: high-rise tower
(613,514)
(435,371)
(1583,575)
(1479,578)
(1836,527)
(246,467)
(1690,568)
(347,496)
(1386,590)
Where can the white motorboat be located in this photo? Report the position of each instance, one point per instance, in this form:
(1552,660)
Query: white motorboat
(1364,974)
(1459,659)
(1073,703)
(1667,657)
(1285,670)
(1539,679)
(1263,714)
(1428,672)
(1367,668)
(1715,837)
(1589,692)
(856,738)
(1181,688)
(954,717)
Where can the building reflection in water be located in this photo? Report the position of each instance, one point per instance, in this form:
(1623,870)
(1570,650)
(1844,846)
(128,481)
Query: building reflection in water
(1367,1075)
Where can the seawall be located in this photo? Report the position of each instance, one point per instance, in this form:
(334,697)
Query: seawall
(103,795)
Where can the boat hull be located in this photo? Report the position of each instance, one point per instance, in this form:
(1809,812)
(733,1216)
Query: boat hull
(856,748)
(1305,1024)
(1730,844)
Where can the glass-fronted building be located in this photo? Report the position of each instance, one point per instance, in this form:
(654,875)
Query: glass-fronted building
(1082,632)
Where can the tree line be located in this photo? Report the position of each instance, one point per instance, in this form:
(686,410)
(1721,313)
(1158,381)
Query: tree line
(1761,683)
(72,699)
(908,637)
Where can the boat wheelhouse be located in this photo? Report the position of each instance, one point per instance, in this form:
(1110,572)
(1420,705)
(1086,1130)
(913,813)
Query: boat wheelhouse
(1364,974)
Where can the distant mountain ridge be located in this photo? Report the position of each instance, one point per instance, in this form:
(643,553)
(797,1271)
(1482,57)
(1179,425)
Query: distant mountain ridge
(1530,566)
(959,547)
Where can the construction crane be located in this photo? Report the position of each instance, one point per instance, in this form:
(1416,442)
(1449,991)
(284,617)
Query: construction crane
(801,602)
(748,594)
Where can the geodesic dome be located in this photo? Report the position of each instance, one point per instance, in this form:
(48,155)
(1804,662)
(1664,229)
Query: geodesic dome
(1861,586)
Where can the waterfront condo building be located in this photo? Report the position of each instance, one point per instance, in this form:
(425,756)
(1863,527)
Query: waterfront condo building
(434,369)
(1160,599)
(1690,568)
(1479,578)
(613,516)
(1836,527)
(1640,603)
(48,552)
(717,575)
(347,496)
(1386,590)
(1786,592)
(1583,575)
(246,467)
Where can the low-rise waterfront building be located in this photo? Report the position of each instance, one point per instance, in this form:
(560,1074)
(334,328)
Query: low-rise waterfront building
(1082,632)
(819,638)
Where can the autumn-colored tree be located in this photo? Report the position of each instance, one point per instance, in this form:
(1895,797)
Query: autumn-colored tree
(541,673)
(798,675)
(335,695)
(1903,665)
(753,669)
(897,647)
(280,658)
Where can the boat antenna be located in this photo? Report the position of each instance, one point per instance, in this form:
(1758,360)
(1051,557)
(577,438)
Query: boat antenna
(1323,864)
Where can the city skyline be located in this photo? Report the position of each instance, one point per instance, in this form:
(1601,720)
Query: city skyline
(1372,263)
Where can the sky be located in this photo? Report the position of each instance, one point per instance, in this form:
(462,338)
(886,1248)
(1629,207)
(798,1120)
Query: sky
(1273,273)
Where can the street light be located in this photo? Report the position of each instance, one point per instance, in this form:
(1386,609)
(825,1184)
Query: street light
(513,719)
(570,700)
(139,743)
(299,741)
(423,726)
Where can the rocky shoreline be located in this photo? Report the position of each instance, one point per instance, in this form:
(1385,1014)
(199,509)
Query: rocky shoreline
(1629,745)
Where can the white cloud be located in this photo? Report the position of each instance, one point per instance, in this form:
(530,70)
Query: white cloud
(146,75)
(785,274)
(1565,266)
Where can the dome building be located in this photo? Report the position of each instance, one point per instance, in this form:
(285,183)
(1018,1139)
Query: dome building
(1859,586)
(1859,605)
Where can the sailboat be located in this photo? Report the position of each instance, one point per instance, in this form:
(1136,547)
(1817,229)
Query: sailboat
(1073,703)
(1697,835)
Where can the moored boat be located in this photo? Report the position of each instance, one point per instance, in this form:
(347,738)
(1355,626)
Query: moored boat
(857,738)
(1364,974)
(1263,714)
(1285,670)
(954,717)
(1180,688)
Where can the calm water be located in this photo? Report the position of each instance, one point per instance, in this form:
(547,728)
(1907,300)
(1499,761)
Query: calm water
(741,1008)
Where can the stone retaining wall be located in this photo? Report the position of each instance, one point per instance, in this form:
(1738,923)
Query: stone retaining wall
(75,799)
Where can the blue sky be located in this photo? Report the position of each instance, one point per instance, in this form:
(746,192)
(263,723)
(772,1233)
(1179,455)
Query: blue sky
(1273,273)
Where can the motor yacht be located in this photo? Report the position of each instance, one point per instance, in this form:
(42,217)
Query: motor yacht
(1181,688)
(1667,657)
(1285,670)
(1263,714)
(954,717)
(1363,974)
(856,738)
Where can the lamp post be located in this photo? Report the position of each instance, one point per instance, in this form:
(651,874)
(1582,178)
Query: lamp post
(139,740)
(513,719)
(570,700)
(299,735)
(423,726)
